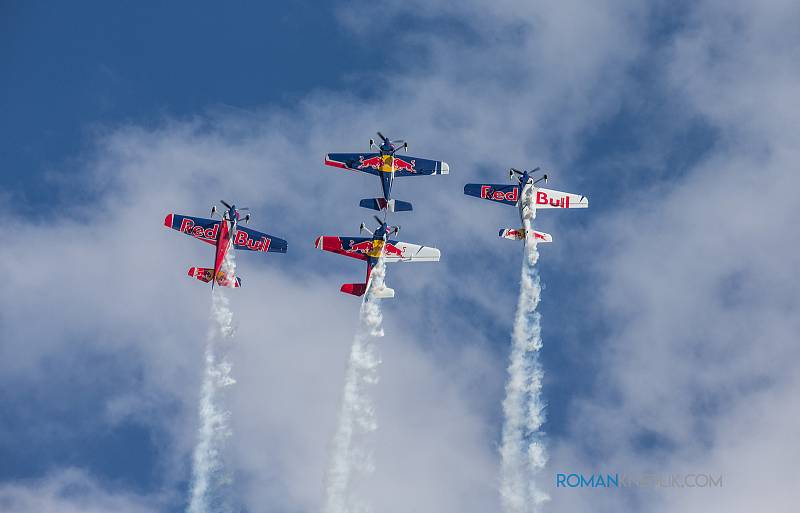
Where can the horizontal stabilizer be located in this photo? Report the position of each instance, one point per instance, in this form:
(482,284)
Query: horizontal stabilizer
(400,206)
(519,234)
(382,292)
(205,274)
(359,289)
(356,289)
(373,203)
(381,204)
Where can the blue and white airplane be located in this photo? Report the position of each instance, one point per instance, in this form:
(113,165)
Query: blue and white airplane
(528,197)
(387,166)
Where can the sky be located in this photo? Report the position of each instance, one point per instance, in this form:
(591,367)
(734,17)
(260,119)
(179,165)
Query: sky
(669,310)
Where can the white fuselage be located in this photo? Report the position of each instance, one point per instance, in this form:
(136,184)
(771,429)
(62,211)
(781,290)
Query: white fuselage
(526,203)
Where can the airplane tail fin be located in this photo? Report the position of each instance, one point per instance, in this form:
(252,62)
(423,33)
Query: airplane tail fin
(519,234)
(359,289)
(381,204)
(206,275)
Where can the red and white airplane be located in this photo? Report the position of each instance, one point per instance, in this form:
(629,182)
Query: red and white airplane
(371,250)
(224,235)
(528,197)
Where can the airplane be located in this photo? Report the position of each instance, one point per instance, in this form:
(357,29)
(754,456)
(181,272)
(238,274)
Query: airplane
(529,197)
(387,165)
(224,235)
(371,249)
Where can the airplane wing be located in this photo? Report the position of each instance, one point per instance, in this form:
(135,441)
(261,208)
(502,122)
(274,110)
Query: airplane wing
(498,193)
(364,162)
(252,240)
(415,166)
(202,229)
(344,245)
(359,247)
(405,252)
(548,198)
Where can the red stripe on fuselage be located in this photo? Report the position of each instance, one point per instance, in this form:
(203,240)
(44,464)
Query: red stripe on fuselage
(223,245)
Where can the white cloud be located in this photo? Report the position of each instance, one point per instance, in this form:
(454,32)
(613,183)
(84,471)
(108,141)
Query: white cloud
(698,277)
(69,491)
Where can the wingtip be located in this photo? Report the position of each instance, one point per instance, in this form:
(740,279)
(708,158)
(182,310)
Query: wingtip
(168,220)
(445,168)
(333,163)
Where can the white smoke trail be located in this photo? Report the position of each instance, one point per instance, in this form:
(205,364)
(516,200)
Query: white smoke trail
(350,455)
(522,450)
(209,477)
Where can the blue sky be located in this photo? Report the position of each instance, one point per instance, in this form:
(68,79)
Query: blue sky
(658,114)
(74,68)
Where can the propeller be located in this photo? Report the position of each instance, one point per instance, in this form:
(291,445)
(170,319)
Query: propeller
(398,144)
(225,203)
(513,171)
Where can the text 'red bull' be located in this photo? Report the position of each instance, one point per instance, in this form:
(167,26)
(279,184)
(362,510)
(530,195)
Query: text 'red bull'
(488,193)
(542,199)
(244,240)
(210,235)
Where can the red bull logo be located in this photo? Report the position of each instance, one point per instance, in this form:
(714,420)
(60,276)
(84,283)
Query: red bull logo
(387,164)
(391,249)
(202,274)
(375,248)
(488,193)
(372,162)
(404,165)
(543,199)
(362,247)
(207,234)
(243,240)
